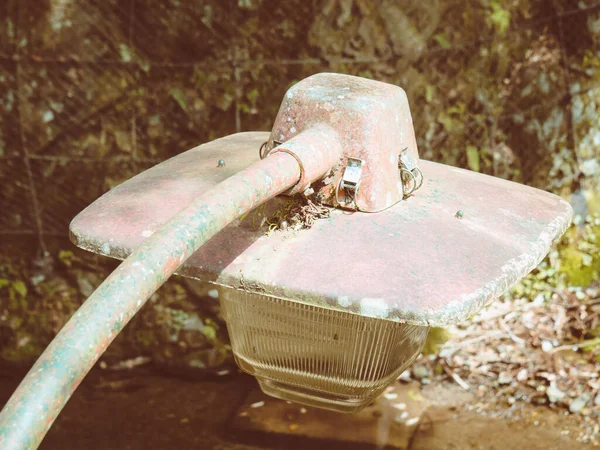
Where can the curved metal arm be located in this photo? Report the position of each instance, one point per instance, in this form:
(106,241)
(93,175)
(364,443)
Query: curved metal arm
(32,409)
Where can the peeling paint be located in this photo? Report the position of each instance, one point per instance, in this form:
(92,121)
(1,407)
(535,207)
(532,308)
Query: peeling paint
(344,301)
(516,268)
(374,307)
(422,271)
(104,314)
(355,107)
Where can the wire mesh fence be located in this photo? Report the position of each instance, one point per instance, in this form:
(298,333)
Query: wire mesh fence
(93,92)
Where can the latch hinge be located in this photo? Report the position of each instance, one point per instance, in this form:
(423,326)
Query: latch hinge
(410,174)
(350,182)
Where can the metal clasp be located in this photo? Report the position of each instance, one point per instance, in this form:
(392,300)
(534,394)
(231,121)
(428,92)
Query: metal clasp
(350,182)
(410,174)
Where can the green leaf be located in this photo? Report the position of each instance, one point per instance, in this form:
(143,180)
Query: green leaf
(224,102)
(458,108)
(500,17)
(179,97)
(66,257)
(446,121)
(473,158)
(10,29)
(429,92)
(126,53)
(4,282)
(253,96)
(144,65)
(209,332)
(442,41)
(435,338)
(20,288)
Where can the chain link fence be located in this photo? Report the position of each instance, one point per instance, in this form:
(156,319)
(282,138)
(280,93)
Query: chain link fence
(93,92)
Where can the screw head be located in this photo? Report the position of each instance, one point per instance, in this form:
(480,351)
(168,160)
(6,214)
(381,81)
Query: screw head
(221,163)
(459,214)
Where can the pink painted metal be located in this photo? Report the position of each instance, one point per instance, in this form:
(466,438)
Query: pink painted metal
(374,124)
(415,262)
(32,409)
(42,394)
(317,149)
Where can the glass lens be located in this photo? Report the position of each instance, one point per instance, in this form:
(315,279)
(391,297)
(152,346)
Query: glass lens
(317,356)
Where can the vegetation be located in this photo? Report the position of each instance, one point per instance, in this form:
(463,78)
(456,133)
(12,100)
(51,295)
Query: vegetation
(95,92)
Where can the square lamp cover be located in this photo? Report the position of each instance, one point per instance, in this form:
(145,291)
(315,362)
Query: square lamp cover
(329,289)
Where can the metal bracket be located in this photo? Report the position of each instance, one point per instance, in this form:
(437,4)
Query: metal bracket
(410,174)
(406,160)
(350,181)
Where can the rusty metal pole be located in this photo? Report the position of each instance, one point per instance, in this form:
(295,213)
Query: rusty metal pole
(32,409)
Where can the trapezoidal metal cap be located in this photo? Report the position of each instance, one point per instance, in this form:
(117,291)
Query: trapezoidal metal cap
(371,123)
(420,261)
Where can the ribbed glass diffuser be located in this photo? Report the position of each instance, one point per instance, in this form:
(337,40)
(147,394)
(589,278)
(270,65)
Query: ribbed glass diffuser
(316,356)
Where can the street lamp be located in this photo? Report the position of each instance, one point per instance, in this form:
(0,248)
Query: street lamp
(333,245)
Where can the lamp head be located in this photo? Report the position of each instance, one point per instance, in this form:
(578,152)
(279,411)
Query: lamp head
(329,316)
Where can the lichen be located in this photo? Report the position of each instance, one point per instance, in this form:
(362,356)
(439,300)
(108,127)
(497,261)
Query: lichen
(574,262)
(580,255)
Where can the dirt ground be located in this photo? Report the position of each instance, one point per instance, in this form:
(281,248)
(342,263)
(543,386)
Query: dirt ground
(141,409)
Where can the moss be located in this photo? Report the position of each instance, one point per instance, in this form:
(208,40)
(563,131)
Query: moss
(437,336)
(24,349)
(578,274)
(145,338)
(574,261)
(500,116)
(593,201)
(580,254)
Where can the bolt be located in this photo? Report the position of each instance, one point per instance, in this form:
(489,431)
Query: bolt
(221,163)
(459,214)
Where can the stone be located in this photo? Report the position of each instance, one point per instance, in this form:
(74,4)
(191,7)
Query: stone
(554,394)
(579,403)
(420,371)
(547,346)
(505,378)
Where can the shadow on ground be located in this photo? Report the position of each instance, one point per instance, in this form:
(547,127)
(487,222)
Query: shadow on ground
(140,409)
